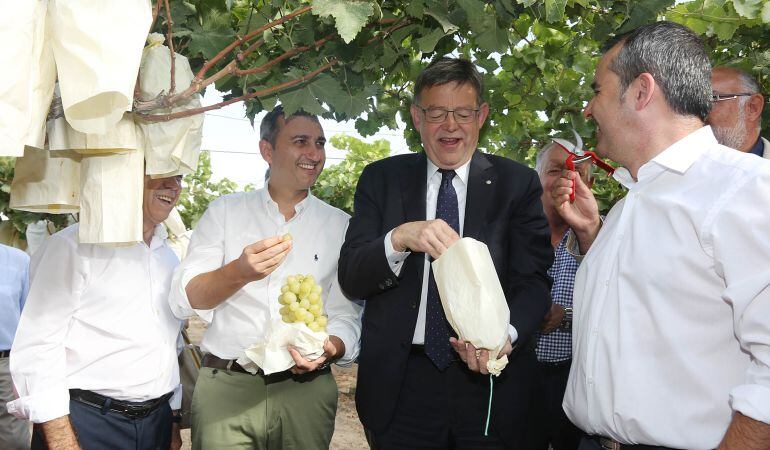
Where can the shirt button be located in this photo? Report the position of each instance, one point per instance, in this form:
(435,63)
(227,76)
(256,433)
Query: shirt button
(606,283)
(590,382)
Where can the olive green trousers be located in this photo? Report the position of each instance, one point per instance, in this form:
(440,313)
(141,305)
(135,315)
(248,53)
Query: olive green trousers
(232,410)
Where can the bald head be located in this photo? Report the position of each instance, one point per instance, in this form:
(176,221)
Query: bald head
(736,119)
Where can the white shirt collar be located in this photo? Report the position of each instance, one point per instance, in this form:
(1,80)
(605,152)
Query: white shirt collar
(462,171)
(678,157)
(267,200)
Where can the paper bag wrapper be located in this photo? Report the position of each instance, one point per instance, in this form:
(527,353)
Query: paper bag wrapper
(111,190)
(120,138)
(473,299)
(273,355)
(98,49)
(170,148)
(26,86)
(46,182)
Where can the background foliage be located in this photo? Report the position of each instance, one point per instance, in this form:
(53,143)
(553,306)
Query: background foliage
(537,57)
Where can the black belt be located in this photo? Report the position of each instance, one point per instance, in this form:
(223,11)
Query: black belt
(5,353)
(610,444)
(132,410)
(216,362)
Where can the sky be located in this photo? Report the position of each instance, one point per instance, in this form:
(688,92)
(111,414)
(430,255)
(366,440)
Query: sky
(233,143)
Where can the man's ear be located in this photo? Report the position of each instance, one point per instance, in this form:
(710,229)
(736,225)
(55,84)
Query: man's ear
(266,150)
(416,118)
(754,107)
(644,88)
(483,113)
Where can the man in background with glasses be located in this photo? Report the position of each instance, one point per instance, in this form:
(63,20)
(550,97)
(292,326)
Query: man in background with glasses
(736,114)
(414,390)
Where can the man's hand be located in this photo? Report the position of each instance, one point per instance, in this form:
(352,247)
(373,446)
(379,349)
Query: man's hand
(334,348)
(59,434)
(477,359)
(260,259)
(553,319)
(582,215)
(430,236)
(176,437)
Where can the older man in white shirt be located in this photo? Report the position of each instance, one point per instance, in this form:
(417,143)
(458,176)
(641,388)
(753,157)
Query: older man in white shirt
(232,276)
(95,357)
(672,301)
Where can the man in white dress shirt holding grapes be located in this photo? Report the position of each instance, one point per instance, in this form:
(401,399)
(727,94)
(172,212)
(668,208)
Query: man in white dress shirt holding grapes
(238,261)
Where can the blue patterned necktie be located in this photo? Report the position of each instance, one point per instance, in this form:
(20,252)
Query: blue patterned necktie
(437,329)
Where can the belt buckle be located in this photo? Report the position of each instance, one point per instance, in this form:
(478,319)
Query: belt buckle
(609,444)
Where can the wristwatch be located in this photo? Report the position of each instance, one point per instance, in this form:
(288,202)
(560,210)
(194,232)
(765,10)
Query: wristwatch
(566,321)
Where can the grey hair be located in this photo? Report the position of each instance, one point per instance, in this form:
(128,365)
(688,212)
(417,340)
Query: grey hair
(542,157)
(447,70)
(676,59)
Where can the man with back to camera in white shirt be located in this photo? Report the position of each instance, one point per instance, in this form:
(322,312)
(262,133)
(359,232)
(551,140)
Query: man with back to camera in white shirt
(231,277)
(671,331)
(95,357)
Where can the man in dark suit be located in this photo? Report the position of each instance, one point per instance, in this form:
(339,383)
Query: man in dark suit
(417,386)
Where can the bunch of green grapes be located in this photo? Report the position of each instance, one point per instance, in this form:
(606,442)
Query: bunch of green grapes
(301,300)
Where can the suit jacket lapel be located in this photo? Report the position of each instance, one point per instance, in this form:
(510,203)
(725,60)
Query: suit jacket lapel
(413,188)
(481,184)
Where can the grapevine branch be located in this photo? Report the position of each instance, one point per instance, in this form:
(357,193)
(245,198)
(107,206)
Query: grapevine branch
(260,93)
(200,81)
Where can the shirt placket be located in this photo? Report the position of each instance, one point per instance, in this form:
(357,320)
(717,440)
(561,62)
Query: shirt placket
(155,310)
(607,267)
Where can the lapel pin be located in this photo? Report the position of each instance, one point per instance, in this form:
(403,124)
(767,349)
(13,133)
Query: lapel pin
(489,181)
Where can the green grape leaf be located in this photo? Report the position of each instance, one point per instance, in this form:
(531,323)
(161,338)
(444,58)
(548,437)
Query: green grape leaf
(766,12)
(640,13)
(427,43)
(526,3)
(300,98)
(747,8)
(444,21)
(349,16)
(554,10)
(493,38)
(208,42)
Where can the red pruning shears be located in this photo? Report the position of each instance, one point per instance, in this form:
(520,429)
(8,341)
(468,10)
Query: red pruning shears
(576,155)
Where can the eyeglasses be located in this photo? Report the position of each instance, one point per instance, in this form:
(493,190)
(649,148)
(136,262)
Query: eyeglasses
(439,115)
(722,97)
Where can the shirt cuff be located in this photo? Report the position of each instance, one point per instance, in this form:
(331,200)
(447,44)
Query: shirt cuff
(175,402)
(752,401)
(395,259)
(513,334)
(42,406)
(183,309)
(351,344)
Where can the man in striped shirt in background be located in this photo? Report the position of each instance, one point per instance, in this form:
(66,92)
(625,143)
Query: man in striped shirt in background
(550,425)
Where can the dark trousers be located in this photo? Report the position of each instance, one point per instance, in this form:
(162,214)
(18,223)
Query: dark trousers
(549,423)
(439,410)
(101,430)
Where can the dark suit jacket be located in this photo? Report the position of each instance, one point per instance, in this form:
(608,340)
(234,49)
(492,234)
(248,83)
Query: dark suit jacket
(503,210)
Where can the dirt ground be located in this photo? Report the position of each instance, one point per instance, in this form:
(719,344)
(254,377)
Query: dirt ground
(348,433)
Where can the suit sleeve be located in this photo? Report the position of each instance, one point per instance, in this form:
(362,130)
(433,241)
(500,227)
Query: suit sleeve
(527,285)
(364,270)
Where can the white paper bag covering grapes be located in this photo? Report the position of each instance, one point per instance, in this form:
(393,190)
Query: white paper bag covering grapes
(473,299)
(302,325)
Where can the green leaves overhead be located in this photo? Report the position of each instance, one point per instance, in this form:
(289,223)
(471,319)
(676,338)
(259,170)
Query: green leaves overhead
(349,16)
(554,10)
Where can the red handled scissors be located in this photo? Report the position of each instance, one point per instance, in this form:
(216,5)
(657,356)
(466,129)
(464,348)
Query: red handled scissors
(576,155)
